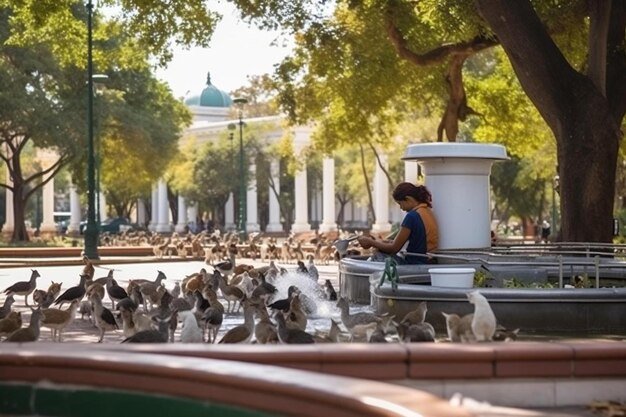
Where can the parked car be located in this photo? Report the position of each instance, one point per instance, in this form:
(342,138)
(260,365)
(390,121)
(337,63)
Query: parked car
(116,225)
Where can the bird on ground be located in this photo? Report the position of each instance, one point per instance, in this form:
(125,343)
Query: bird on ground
(105,320)
(288,335)
(264,330)
(115,292)
(416,316)
(284,303)
(150,290)
(302,268)
(312,269)
(30,333)
(85,309)
(244,332)
(230,293)
(332,336)
(6,307)
(418,332)
(73,293)
(484,322)
(357,324)
(24,288)
(57,320)
(190,332)
(296,318)
(10,323)
(329,290)
(212,319)
(459,328)
(88,269)
(44,299)
(152,336)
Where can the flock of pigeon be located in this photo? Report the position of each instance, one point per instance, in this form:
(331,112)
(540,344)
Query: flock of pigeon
(277,306)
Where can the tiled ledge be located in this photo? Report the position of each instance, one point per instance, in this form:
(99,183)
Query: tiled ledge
(424,361)
(263,388)
(547,374)
(519,374)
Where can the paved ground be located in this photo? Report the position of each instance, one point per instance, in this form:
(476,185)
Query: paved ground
(83,331)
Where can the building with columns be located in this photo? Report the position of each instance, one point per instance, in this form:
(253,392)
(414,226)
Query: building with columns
(211,110)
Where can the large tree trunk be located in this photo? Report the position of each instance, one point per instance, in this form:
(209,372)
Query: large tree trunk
(20,234)
(576,110)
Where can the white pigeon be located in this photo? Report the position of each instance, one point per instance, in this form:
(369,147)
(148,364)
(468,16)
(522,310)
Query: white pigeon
(484,321)
(191,332)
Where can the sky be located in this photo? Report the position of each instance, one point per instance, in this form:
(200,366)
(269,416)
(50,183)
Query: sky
(237,51)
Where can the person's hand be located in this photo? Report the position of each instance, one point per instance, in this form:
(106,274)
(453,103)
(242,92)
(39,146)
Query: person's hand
(365,242)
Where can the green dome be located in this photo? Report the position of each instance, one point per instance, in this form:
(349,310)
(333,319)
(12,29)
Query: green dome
(211,96)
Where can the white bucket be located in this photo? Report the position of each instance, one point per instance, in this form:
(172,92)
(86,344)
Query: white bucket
(452,277)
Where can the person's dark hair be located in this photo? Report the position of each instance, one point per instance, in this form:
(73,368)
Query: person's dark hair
(419,192)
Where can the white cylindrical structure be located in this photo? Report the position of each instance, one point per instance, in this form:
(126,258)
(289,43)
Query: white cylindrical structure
(381,198)
(181,224)
(457,175)
(301,223)
(154,214)
(73,228)
(163,226)
(229,213)
(274,224)
(252,210)
(328,198)
(48,225)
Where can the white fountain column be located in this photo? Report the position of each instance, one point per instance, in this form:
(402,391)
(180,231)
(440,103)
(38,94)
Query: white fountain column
(73,228)
(252,209)
(457,175)
(229,213)
(141,212)
(328,195)
(163,226)
(102,207)
(381,198)
(48,225)
(154,205)
(274,224)
(301,220)
(182,215)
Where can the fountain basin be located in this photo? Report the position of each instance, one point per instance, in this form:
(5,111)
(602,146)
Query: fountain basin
(566,311)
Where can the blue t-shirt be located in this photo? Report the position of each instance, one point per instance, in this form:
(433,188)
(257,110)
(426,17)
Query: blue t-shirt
(417,237)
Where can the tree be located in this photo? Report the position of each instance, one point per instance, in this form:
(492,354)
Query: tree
(587,141)
(37,109)
(341,54)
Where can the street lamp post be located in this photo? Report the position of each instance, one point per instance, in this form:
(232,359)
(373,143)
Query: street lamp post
(241,221)
(555,189)
(91,230)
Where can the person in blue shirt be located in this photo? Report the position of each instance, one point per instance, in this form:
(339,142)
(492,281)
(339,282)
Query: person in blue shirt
(412,235)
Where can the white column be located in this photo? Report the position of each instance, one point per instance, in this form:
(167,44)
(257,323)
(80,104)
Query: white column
(48,226)
(154,218)
(229,213)
(163,226)
(74,227)
(9,221)
(102,207)
(182,215)
(410,171)
(252,217)
(381,198)
(274,224)
(301,222)
(141,212)
(328,195)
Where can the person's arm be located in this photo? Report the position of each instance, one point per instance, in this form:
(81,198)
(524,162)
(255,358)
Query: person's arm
(390,247)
